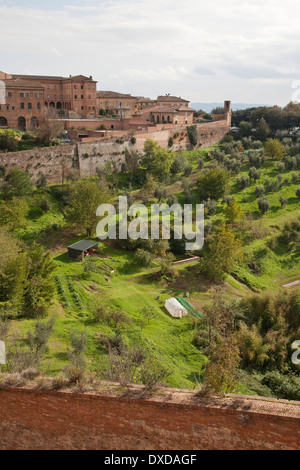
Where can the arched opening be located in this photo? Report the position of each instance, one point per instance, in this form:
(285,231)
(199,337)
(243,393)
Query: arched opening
(58,105)
(168,118)
(3,121)
(34,122)
(21,123)
(163,119)
(157,119)
(52,104)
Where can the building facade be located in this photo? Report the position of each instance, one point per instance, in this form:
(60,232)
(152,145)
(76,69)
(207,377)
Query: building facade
(27,97)
(119,104)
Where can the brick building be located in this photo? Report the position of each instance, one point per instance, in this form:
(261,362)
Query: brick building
(120,104)
(27,96)
(177,115)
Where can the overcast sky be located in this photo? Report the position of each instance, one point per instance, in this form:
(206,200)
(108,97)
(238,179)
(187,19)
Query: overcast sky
(205,51)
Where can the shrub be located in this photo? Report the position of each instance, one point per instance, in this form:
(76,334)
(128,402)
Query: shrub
(263,205)
(283,201)
(211,206)
(192,135)
(143,258)
(259,190)
(152,374)
(298,193)
(45,204)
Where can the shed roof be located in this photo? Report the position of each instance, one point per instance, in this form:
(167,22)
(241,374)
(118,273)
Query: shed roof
(83,245)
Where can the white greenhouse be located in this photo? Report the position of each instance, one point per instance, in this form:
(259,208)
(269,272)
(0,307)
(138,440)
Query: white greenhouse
(175,308)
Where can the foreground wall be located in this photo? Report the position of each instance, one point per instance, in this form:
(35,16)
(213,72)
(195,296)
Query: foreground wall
(31,419)
(58,162)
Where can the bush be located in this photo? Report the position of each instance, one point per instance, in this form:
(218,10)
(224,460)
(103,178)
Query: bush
(211,206)
(152,374)
(283,201)
(259,190)
(143,258)
(298,193)
(263,205)
(45,204)
(192,135)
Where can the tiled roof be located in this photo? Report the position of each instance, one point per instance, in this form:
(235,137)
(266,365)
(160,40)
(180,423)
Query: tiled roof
(113,94)
(171,98)
(19,83)
(49,77)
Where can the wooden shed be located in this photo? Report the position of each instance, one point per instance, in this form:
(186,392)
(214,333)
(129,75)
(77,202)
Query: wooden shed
(80,250)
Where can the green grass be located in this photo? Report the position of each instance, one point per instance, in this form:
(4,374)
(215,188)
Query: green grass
(130,289)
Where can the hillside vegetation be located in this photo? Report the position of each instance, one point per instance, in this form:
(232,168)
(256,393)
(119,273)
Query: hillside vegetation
(106,315)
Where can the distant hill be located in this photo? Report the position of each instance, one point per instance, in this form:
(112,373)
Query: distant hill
(207,107)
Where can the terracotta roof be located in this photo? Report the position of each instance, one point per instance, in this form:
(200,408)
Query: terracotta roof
(49,77)
(19,83)
(113,94)
(171,98)
(165,109)
(36,77)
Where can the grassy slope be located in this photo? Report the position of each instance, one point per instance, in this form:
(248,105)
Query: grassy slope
(131,289)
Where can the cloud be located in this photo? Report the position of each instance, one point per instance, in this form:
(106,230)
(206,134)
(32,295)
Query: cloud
(200,70)
(206,50)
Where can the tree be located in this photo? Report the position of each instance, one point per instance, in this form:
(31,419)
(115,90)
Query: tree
(8,142)
(84,199)
(13,213)
(223,252)
(157,160)
(39,286)
(233,211)
(17,184)
(262,129)
(49,129)
(12,274)
(132,161)
(214,183)
(263,205)
(38,339)
(220,376)
(245,129)
(275,149)
(192,134)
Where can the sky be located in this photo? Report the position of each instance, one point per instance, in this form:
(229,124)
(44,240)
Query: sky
(204,51)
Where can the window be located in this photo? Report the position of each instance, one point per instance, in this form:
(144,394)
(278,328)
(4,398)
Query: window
(38,105)
(27,95)
(22,106)
(82,97)
(82,108)
(29,106)
(9,94)
(75,86)
(82,87)
(21,95)
(75,97)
